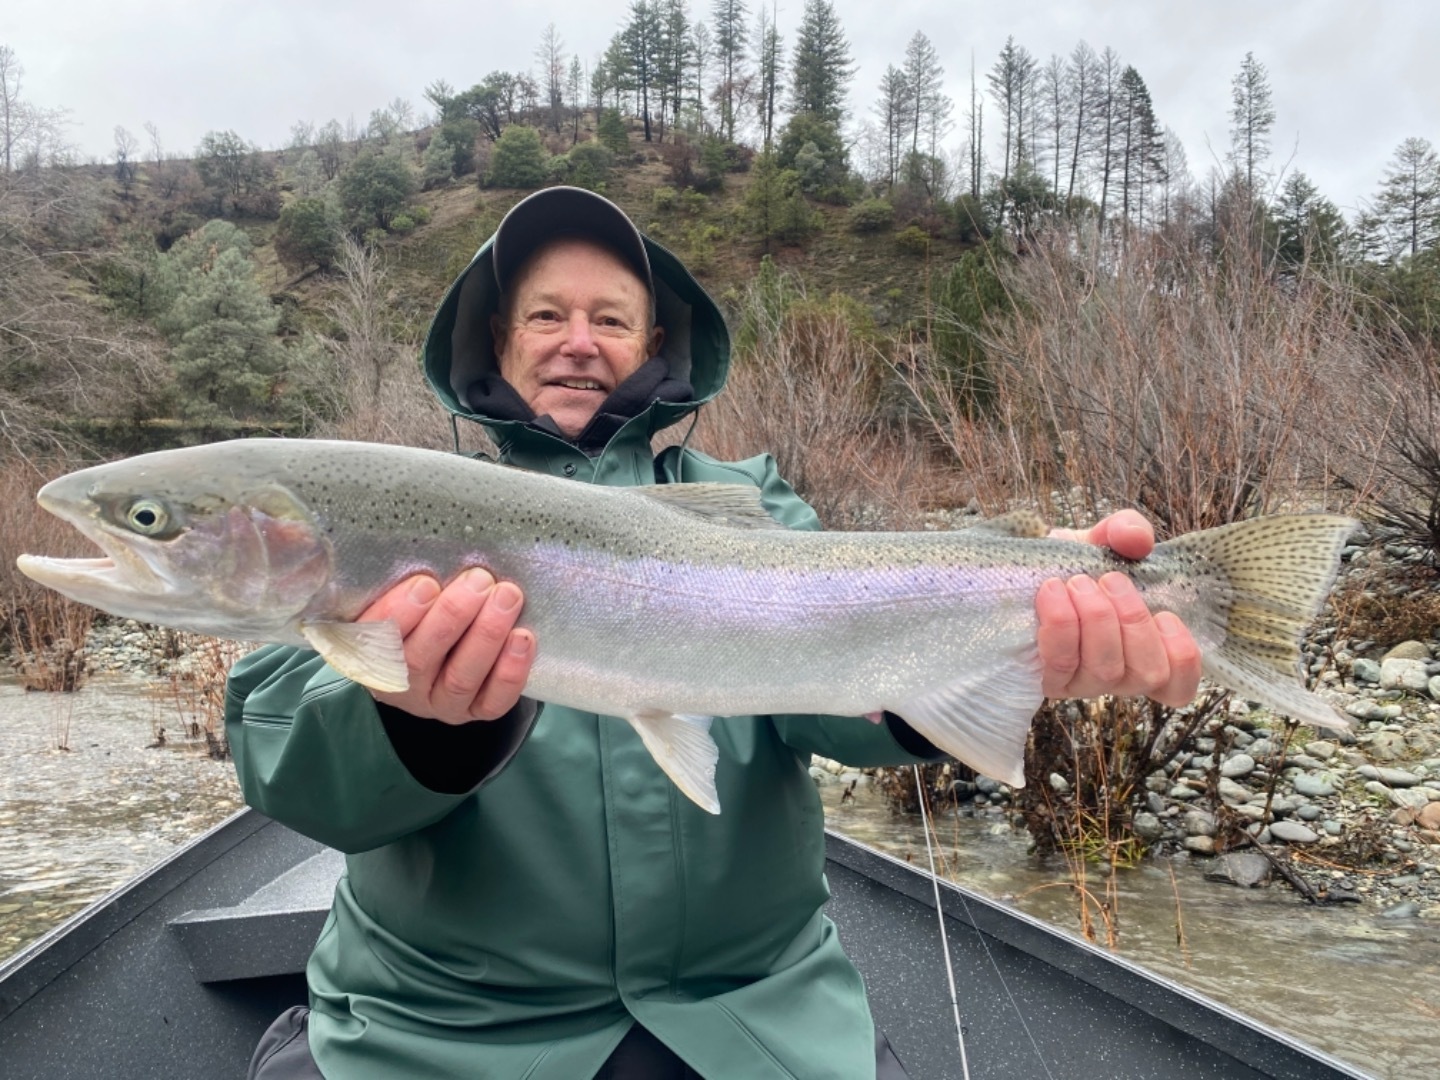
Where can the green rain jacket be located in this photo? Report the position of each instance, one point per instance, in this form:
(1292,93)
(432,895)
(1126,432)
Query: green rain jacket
(513,924)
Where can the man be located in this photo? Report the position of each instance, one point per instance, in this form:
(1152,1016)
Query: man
(573,915)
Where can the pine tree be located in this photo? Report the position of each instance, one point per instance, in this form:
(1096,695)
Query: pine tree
(929,107)
(731,38)
(550,56)
(1309,226)
(821,68)
(642,46)
(1409,200)
(1012,82)
(222,326)
(770,61)
(1081,74)
(893,109)
(1251,117)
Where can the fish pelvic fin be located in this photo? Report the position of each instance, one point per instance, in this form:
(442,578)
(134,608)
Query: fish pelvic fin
(1279,570)
(370,653)
(681,745)
(983,718)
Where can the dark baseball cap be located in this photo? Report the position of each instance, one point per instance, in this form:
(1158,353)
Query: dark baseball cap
(566,211)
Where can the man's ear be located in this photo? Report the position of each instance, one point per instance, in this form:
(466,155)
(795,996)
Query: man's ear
(657,339)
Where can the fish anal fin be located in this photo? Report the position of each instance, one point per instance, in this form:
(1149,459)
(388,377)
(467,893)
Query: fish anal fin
(681,745)
(736,505)
(983,717)
(371,653)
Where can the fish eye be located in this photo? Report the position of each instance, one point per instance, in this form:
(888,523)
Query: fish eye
(147,517)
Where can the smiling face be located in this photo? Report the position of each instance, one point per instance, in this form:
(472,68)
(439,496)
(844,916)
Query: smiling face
(575,326)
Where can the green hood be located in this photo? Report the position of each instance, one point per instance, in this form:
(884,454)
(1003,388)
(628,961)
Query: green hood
(459,348)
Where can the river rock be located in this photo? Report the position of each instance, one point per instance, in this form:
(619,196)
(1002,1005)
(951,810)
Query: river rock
(1231,792)
(1367,671)
(1390,777)
(1406,909)
(1433,687)
(1332,828)
(1292,832)
(1411,798)
(1408,650)
(1399,674)
(1254,811)
(1315,785)
(1147,826)
(1241,765)
(1245,869)
(1200,845)
(1183,792)
(1429,817)
(1308,812)
(1199,823)
(1321,748)
(1386,745)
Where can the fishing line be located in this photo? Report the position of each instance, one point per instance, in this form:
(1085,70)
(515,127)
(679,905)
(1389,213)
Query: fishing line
(940,915)
(945,943)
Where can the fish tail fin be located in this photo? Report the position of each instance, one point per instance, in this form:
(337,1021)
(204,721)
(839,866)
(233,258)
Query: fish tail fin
(1279,571)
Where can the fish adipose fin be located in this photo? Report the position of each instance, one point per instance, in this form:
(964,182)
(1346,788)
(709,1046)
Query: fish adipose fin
(983,718)
(681,745)
(1022,524)
(371,653)
(1279,569)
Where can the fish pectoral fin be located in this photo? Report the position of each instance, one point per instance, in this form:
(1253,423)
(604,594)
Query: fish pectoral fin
(681,745)
(983,718)
(371,653)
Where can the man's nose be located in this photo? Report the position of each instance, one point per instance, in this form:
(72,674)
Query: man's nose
(579,337)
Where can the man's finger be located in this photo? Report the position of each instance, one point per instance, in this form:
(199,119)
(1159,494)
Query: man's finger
(1102,652)
(474,653)
(1125,532)
(1058,638)
(405,604)
(1147,667)
(1183,655)
(507,679)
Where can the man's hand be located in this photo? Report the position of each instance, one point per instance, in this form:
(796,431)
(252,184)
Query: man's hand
(1100,638)
(466,659)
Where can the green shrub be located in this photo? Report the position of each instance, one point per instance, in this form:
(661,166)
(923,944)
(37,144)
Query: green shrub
(375,188)
(611,132)
(872,215)
(913,240)
(308,234)
(518,160)
(590,165)
(693,202)
(402,223)
(663,199)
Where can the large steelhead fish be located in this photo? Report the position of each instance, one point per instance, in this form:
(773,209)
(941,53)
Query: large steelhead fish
(669,605)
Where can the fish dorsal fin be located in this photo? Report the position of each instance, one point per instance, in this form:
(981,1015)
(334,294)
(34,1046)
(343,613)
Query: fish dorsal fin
(737,505)
(983,717)
(1022,524)
(681,745)
(370,653)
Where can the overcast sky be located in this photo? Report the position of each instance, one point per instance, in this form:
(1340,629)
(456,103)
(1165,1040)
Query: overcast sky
(1350,79)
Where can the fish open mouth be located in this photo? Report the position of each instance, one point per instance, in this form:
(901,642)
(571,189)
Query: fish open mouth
(119,570)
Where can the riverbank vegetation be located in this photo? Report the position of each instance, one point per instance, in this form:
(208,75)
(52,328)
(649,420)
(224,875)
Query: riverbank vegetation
(930,321)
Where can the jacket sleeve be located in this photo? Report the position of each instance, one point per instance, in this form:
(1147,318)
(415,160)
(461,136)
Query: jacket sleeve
(315,751)
(848,739)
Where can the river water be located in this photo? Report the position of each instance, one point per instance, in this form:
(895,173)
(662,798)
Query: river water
(76,823)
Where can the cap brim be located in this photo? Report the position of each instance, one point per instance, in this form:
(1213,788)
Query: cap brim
(566,211)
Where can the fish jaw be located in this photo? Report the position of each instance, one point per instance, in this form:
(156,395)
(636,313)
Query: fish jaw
(233,570)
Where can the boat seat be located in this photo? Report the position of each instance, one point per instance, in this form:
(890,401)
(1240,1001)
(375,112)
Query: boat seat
(270,932)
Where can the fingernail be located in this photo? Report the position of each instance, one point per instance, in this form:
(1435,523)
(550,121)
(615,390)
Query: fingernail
(1054,587)
(479,582)
(1083,585)
(507,598)
(1115,585)
(520,644)
(1168,624)
(424,590)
